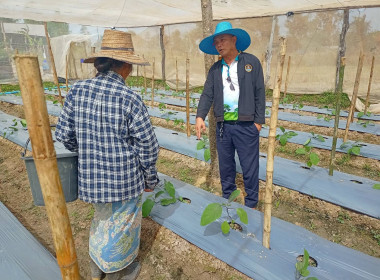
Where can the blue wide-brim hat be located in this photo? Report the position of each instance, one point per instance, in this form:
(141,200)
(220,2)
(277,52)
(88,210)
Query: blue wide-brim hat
(242,43)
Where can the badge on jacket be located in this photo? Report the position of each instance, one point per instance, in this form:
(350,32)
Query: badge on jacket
(248,67)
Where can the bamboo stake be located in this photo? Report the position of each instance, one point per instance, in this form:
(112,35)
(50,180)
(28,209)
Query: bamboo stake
(176,74)
(369,85)
(268,54)
(337,114)
(350,117)
(46,163)
(151,102)
(145,87)
(287,76)
(207,30)
(67,74)
(271,146)
(187,97)
(53,63)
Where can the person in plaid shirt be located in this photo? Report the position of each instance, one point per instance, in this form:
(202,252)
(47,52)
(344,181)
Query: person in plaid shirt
(109,127)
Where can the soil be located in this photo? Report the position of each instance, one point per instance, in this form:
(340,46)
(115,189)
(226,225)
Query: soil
(165,255)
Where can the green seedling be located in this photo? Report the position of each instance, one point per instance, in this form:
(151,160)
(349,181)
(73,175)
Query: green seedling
(342,217)
(376,236)
(353,147)
(365,123)
(214,211)
(166,195)
(162,106)
(194,103)
(325,118)
(204,144)
(297,106)
(302,266)
(313,158)
(317,137)
(266,110)
(284,100)
(13,128)
(376,187)
(285,136)
(361,114)
(178,122)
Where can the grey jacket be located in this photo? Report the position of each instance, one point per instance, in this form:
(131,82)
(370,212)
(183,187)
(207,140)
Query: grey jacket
(252,91)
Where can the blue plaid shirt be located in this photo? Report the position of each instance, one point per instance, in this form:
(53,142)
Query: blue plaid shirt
(109,126)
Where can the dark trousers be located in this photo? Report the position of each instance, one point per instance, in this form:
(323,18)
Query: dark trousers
(244,138)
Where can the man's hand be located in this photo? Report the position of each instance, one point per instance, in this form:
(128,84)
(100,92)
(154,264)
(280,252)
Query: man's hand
(200,126)
(258,126)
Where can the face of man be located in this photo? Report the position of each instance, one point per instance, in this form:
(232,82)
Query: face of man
(225,44)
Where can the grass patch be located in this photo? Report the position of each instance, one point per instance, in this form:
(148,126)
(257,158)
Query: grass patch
(14,87)
(324,99)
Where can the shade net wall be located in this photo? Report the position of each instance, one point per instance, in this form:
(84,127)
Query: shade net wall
(312,44)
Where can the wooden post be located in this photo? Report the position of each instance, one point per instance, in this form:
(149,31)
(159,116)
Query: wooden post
(145,87)
(287,76)
(151,102)
(176,75)
(271,146)
(53,63)
(67,73)
(207,29)
(268,54)
(369,85)
(46,163)
(350,117)
(337,114)
(162,33)
(187,97)
(342,45)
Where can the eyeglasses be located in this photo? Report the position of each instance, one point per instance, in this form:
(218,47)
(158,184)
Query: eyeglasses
(229,80)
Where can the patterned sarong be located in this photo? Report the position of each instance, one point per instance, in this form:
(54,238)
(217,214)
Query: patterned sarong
(115,234)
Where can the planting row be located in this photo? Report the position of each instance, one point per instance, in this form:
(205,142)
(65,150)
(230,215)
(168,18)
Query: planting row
(291,136)
(352,192)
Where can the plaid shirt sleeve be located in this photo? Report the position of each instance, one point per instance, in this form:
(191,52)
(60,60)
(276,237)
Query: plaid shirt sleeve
(145,142)
(65,130)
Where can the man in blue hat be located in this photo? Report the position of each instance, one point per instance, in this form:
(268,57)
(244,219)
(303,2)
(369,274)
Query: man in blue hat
(235,86)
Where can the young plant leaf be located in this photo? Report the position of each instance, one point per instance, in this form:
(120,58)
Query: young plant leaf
(170,189)
(355,150)
(242,215)
(320,138)
(376,186)
(23,123)
(207,155)
(301,151)
(225,227)
(201,144)
(283,140)
(158,194)
(314,158)
(233,195)
(147,207)
(282,129)
(212,212)
(307,142)
(168,201)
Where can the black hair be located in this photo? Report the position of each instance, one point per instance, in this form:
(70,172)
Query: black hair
(104,64)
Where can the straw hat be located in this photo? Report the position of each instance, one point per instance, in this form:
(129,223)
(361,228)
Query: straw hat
(117,45)
(242,43)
